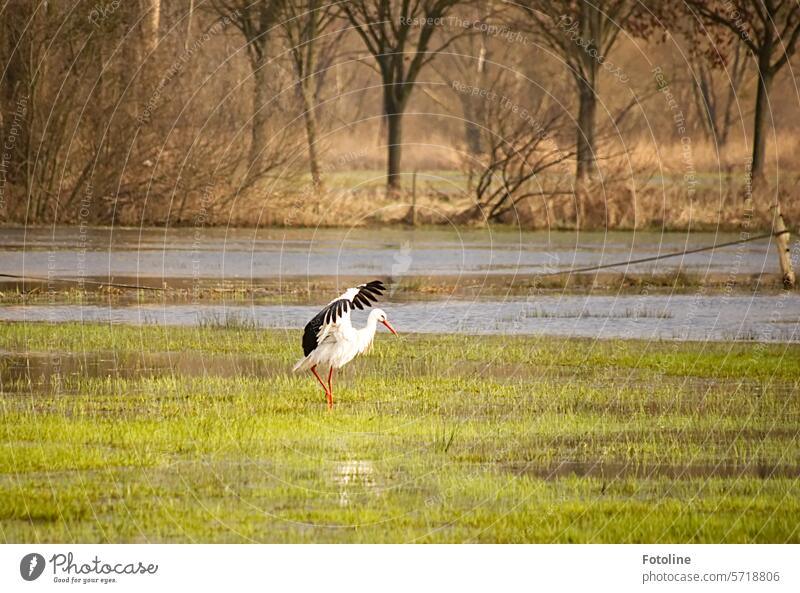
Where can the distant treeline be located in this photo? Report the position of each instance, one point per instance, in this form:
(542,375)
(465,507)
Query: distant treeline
(559,112)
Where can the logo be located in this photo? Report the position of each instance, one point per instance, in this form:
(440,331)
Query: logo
(31,566)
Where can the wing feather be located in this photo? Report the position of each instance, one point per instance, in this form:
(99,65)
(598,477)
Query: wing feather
(337,311)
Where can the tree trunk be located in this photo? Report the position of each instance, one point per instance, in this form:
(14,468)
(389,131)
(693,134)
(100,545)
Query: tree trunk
(587,108)
(150,26)
(705,100)
(258,138)
(586,77)
(759,119)
(394,121)
(739,68)
(310,116)
(474,110)
(13,95)
(472,136)
(306,69)
(472,130)
(188,37)
(155,24)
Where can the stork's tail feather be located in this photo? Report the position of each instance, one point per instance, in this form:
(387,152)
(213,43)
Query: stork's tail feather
(302,365)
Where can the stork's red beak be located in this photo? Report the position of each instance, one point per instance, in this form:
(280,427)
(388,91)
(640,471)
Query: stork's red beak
(388,326)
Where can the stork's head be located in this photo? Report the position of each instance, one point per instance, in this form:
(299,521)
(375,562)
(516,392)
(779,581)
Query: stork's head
(380,316)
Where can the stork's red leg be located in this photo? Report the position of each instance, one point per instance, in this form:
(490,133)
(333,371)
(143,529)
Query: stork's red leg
(330,388)
(321,382)
(328,395)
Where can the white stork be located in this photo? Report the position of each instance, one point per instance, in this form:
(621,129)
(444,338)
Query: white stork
(331,340)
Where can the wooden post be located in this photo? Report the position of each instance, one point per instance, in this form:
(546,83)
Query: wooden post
(784,253)
(413,214)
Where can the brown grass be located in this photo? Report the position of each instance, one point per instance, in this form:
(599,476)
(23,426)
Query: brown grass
(642,187)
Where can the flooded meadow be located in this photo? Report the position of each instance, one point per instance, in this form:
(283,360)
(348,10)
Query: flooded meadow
(474,281)
(505,411)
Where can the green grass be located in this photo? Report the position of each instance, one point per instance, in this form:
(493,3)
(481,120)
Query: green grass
(201,435)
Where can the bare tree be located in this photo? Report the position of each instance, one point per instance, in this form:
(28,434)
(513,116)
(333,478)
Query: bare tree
(468,61)
(715,99)
(399,35)
(152,24)
(519,139)
(189,19)
(304,24)
(516,155)
(257,20)
(18,56)
(39,117)
(582,32)
(770,30)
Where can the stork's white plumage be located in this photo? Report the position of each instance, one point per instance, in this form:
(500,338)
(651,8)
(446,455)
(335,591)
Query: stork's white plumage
(330,340)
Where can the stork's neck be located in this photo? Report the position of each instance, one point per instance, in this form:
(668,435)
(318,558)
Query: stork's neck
(367,333)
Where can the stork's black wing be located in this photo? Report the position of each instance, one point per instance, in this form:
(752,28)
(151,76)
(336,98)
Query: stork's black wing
(368,292)
(359,297)
(330,313)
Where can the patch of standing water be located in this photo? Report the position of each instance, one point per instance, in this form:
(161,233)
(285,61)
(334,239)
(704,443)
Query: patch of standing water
(670,317)
(244,254)
(351,475)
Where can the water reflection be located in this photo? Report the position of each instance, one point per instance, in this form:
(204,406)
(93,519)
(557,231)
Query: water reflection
(353,475)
